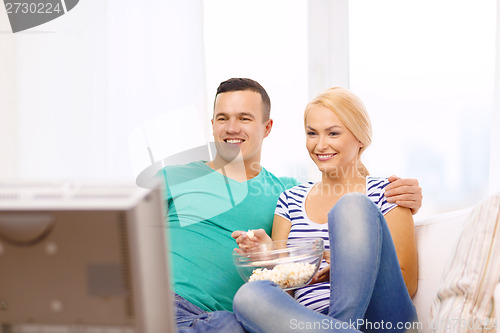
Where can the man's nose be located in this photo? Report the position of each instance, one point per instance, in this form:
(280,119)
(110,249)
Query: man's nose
(232,126)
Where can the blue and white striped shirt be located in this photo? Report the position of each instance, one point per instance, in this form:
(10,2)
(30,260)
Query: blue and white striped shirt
(291,206)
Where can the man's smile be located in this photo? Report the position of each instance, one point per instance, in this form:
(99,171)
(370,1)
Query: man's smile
(234,141)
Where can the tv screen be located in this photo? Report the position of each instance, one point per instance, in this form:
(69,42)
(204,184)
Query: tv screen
(84,255)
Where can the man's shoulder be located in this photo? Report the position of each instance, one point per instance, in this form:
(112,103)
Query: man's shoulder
(181,172)
(193,167)
(285,181)
(289,182)
(183,167)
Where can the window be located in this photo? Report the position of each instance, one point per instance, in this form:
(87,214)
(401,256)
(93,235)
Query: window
(265,41)
(425,70)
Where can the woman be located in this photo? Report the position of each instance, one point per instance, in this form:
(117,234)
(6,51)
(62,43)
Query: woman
(371,241)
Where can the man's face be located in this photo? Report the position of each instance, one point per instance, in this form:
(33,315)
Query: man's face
(238,126)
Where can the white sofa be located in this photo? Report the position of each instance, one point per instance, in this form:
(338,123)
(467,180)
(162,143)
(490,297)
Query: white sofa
(436,239)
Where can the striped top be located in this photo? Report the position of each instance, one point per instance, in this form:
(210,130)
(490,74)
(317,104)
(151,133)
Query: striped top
(291,207)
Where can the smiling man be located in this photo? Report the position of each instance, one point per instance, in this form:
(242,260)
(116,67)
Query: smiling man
(240,123)
(208,200)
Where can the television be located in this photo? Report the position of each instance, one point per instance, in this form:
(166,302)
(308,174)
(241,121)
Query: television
(85,257)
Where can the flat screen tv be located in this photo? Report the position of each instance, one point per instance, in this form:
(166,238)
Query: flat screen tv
(83,256)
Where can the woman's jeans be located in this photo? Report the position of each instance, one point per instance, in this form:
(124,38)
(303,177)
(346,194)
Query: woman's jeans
(368,292)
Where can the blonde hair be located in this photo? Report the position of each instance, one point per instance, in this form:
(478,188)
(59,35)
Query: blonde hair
(352,113)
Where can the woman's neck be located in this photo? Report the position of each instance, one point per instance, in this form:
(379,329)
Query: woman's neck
(340,182)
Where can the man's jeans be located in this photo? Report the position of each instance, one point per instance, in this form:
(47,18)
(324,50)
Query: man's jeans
(191,318)
(368,292)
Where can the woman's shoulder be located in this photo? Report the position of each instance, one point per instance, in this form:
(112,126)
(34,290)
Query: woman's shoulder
(297,193)
(375,190)
(376,184)
(293,197)
(301,188)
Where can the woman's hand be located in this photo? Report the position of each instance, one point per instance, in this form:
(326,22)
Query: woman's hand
(323,275)
(250,240)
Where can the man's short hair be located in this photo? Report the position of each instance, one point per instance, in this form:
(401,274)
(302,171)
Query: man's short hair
(242,84)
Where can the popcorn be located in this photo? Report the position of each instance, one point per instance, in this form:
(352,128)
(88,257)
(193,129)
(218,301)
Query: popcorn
(250,234)
(288,275)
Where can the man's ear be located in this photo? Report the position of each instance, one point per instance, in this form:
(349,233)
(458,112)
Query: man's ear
(269,126)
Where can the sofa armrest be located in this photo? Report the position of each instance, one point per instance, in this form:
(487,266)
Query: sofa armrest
(497,307)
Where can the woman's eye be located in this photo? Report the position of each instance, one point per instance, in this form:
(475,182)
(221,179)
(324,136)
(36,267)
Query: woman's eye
(334,133)
(310,133)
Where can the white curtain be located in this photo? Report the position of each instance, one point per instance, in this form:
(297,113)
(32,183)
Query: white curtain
(265,41)
(425,71)
(495,124)
(75,90)
(83,96)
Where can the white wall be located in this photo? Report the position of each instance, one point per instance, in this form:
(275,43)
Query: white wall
(265,41)
(75,92)
(61,96)
(426,74)
(8,117)
(328,52)
(78,86)
(328,45)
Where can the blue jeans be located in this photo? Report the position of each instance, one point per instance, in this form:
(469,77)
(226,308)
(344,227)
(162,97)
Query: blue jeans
(368,292)
(191,318)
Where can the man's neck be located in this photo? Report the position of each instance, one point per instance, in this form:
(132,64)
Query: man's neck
(238,170)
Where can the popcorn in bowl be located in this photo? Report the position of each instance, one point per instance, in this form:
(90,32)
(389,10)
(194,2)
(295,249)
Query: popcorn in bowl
(289,263)
(286,276)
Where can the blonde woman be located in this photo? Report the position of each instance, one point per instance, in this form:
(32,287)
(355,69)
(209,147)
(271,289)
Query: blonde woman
(371,241)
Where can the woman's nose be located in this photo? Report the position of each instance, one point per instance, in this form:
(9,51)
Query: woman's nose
(321,143)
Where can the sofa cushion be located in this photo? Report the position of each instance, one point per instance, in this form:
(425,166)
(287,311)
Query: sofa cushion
(464,301)
(436,237)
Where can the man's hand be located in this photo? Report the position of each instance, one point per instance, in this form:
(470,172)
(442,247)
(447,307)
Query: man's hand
(405,193)
(250,240)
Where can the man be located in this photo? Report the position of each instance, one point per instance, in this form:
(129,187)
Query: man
(208,200)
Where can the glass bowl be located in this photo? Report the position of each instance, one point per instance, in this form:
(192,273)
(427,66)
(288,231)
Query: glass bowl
(289,263)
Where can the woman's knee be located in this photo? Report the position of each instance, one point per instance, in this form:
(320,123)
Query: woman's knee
(250,294)
(351,204)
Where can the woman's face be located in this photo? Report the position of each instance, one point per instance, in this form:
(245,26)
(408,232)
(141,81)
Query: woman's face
(331,145)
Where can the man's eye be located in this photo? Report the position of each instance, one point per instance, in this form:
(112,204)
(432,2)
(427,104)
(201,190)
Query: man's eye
(221,118)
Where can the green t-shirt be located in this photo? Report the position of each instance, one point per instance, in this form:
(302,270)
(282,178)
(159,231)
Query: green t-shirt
(204,208)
